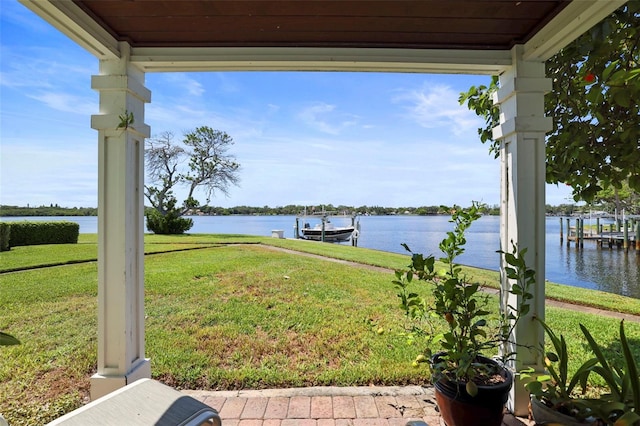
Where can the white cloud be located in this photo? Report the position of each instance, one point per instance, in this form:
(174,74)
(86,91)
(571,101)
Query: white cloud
(437,105)
(17,80)
(46,67)
(18,14)
(323,117)
(224,83)
(67,102)
(313,117)
(184,83)
(62,84)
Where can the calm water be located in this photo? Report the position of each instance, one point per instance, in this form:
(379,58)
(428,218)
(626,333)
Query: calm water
(608,270)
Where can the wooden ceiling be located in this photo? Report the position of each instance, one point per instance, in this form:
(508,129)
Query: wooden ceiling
(419,24)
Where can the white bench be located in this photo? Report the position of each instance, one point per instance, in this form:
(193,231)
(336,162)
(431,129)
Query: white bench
(143,402)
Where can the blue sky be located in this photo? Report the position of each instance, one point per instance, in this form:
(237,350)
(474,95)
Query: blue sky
(301,138)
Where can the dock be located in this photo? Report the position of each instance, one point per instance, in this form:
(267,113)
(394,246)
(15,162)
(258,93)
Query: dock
(623,234)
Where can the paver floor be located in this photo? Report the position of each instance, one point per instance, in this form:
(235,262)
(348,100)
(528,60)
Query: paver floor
(329,406)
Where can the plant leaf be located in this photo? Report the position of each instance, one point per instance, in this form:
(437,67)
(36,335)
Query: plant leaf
(8,340)
(632,367)
(471,388)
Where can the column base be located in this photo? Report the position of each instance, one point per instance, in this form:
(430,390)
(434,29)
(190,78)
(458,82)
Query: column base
(102,385)
(518,403)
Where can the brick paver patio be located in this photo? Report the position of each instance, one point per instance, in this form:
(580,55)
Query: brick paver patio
(329,406)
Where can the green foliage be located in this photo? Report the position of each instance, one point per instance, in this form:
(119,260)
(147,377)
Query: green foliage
(5,235)
(169,223)
(480,100)
(595,101)
(595,105)
(617,407)
(289,209)
(52,210)
(210,164)
(620,198)
(556,389)
(621,404)
(126,120)
(32,233)
(461,304)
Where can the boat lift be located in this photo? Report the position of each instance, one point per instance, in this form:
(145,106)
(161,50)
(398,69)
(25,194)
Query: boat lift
(324,217)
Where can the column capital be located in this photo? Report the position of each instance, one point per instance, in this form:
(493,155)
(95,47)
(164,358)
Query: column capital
(522,125)
(521,99)
(123,83)
(512,86)
(121,94)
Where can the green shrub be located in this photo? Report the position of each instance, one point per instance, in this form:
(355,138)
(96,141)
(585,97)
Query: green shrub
(5,233)
(34,233)
(170,223)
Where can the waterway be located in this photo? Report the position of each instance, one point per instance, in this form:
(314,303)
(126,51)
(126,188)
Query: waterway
(610,270)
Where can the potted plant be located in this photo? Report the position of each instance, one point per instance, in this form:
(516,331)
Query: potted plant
(471,388)
(553,395)
(621,405)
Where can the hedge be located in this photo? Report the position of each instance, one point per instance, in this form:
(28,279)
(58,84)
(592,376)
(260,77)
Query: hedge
(33,233)
(5,232)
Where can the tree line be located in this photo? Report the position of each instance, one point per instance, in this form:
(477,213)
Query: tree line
(296,210)
(288,210)
(50,210)
(300,210)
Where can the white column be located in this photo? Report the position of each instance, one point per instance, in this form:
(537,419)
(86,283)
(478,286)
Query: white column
(121,357)
(522,210)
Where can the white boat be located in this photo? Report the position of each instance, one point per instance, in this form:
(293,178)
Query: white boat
(331,233)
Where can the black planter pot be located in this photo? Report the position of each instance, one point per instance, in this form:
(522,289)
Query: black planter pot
(458,408)
(543,415)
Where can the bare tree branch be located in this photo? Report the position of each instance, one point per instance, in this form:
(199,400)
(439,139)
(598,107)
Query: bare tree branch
(201,161)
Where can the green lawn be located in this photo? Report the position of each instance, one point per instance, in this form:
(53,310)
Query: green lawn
(222,316)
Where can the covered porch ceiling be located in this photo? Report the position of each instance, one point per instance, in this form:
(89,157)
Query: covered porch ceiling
(427,24)
(452,36)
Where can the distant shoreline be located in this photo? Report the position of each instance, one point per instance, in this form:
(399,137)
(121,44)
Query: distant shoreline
(563,210)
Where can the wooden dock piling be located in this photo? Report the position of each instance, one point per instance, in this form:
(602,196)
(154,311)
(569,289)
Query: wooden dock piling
(625,239)
(581,233)
(561,232)
(621,234)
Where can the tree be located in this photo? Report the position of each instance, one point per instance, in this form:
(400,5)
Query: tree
(595,143)
(209,167)
(620,199)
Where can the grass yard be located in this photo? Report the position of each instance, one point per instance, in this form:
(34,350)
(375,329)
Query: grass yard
(224,316)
